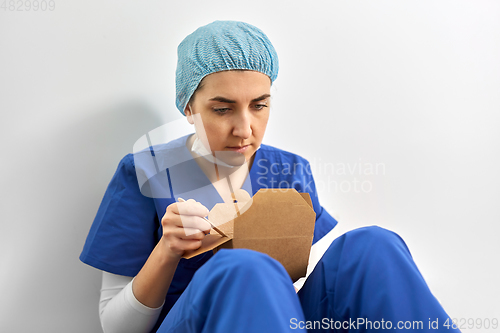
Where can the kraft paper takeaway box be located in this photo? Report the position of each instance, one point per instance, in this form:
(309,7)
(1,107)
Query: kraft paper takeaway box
(279,222)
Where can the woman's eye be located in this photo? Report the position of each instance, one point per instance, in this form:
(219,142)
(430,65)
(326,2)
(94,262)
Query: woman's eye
(260,106)
(221,110)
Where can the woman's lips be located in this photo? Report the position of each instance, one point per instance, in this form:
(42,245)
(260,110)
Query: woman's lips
(239,149)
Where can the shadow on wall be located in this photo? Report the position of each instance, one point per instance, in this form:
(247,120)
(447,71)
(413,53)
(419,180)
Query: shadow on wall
(72,165)
(100,142)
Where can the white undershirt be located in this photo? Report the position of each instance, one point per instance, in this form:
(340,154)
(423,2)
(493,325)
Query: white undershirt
(120,311)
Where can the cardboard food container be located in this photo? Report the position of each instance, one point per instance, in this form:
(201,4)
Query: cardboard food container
(278,222)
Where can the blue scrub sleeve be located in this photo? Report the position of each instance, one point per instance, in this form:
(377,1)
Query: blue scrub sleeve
(124,230)
(324,221)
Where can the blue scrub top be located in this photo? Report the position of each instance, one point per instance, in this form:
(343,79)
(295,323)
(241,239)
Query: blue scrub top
(127,225)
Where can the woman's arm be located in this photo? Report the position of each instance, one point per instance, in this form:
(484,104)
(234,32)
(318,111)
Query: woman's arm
(183,229)
(133,305)
(120,311)
(150,286)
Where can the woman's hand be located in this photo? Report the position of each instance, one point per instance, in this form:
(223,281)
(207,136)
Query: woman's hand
(184,227)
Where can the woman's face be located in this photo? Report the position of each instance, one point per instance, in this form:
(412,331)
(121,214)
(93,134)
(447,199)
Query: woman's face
(234,109)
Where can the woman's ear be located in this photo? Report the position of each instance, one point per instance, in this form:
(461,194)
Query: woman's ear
(189,114)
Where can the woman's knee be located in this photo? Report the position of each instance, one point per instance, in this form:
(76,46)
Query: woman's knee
(247,262)
(368,243)
(376,236)
(240,256)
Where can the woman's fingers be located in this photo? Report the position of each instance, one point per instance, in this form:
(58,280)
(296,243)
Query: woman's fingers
(184,226)
(181,239)
(188,214)
(196,222)
(187,233)
(189,207)
(181,245)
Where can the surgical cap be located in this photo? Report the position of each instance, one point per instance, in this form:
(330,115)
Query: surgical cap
(221,46)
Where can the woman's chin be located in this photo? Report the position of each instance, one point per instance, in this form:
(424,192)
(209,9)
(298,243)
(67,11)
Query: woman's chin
(232,158)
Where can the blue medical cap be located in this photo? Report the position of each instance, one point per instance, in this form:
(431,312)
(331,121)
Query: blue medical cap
(221,46)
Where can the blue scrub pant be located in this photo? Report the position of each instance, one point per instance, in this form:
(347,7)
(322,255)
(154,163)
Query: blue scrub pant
(365,282)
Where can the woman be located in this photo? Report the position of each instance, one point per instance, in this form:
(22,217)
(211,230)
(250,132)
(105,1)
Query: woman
(366,278)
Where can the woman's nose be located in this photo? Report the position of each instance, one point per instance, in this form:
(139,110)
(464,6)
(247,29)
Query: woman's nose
(242,126)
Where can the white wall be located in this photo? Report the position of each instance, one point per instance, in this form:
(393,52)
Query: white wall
(409,86)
